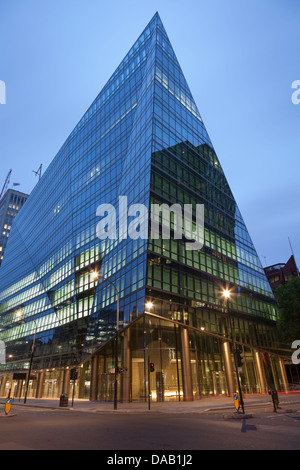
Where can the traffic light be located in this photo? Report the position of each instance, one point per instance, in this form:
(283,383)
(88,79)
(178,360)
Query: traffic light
(74,374)
(241,359)
(238,358)
(152,366)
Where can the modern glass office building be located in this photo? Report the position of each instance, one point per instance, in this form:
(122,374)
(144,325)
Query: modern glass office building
(68,296)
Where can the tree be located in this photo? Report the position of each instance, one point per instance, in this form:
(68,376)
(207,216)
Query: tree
(288,298)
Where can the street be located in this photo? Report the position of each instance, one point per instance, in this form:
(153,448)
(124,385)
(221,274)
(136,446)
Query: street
(65,429)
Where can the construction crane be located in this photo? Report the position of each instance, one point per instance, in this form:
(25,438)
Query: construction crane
(5,184)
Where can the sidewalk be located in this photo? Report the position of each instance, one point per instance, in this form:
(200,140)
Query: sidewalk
(207,404)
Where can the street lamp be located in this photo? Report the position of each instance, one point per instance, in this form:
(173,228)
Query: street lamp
(20,315)
(227,295)
(149,305)
(31,361)
(95,275)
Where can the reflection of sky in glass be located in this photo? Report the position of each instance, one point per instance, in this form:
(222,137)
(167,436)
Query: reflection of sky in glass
(241,83)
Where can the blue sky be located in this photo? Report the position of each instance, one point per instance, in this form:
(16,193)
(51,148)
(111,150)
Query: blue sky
(239,57)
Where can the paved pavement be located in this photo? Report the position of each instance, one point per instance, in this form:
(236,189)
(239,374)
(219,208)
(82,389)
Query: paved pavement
(263,402)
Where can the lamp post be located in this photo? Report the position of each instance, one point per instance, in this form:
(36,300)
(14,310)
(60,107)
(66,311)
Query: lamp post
(19,315)
(227,294)
(95,276)
(31,361)
(149,306)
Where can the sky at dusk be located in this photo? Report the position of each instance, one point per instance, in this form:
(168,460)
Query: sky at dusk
(240,58)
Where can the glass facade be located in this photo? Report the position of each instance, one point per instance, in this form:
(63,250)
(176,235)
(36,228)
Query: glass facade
(143,138)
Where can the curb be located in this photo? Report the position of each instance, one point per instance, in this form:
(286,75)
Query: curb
(228,411)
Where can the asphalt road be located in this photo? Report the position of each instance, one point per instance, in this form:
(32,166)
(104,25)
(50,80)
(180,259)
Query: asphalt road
(62,429)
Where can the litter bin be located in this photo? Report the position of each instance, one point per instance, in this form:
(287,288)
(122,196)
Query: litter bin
(64,400)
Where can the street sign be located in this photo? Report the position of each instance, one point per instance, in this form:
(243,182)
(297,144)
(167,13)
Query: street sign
(7,406)
(236,401)
(7,403)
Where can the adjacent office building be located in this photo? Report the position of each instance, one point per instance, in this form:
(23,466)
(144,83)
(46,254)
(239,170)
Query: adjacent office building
(279,274)
(10,204)
(71,295)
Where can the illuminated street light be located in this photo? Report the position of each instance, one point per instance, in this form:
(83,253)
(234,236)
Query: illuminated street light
(20,316)
(227,294)
(95,275)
